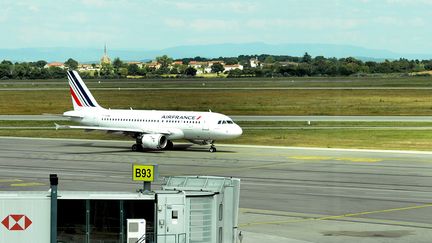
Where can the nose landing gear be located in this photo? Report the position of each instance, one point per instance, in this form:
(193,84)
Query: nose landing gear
(212,149)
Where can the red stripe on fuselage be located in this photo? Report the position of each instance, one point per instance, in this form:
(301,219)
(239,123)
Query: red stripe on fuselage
(75,97)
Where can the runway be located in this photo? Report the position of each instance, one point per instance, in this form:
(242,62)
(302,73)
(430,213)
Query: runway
(59,117)
(289,194)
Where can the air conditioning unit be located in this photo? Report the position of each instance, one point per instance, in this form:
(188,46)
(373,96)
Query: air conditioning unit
(136,231)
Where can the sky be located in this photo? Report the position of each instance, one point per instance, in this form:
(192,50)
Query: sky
(402,26)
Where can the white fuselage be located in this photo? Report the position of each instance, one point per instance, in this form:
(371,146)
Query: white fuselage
(179,124)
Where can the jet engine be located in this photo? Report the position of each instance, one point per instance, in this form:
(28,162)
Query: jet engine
(154,141)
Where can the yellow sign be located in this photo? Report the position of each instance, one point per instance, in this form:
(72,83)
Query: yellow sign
(143,172)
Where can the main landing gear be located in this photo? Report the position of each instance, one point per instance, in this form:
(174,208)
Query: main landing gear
(137,147)
(212,148)
(169,145)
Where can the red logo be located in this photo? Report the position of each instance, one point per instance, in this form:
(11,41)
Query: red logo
(16,222)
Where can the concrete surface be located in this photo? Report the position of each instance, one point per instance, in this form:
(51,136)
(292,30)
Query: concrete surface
(287,194)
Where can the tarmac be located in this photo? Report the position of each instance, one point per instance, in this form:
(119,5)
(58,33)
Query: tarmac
(288,194)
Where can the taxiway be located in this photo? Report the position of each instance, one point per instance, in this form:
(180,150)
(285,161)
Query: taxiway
(288,194)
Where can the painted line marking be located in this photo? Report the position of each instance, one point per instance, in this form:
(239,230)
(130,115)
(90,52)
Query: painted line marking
(9,180)
(349,215)
(311,157)
(27,184)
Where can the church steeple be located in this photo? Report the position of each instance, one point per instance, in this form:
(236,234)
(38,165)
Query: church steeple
(105,58)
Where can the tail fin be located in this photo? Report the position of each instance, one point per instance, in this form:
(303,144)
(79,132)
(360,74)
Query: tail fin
(81,96)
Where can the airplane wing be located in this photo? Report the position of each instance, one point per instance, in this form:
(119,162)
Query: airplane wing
(73,116)
(115,129)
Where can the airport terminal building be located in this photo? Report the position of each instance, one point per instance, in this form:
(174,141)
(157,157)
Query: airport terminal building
(186,210)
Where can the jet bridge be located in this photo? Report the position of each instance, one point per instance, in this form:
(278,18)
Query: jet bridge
(187,210)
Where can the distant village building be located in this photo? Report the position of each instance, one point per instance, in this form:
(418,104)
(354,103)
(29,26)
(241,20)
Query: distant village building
(232,67)
(105,58)
(154,65)
(205,67)
(139,64)
(199,66)
(254,62)
(55,64)
(177,63)
(89,67)
(210,63)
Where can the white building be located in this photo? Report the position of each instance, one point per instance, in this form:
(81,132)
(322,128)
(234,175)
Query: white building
(254,62)
(232,67)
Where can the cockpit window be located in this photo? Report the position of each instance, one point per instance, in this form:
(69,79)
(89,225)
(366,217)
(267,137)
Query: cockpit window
(226,122)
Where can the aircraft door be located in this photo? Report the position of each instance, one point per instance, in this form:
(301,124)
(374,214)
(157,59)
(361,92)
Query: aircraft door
(205,126)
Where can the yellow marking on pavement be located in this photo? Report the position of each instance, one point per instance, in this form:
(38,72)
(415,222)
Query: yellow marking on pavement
(311,157)
(29,184)
(338,216)
(9,180)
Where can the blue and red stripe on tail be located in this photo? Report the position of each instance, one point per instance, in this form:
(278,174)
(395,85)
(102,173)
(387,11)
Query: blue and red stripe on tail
(81,96)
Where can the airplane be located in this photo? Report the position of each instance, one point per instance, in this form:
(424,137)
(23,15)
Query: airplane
(151,129)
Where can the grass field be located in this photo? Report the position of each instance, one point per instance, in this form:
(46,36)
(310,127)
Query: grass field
(251,102)
(233,102)
(215,82)
(337,138)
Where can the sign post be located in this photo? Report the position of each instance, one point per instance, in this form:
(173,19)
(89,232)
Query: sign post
(145,173)
(53,184)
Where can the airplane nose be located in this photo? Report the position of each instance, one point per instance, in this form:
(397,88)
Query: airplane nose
(237,131)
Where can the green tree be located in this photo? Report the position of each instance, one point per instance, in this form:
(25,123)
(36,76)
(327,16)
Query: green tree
(269,59)
(106,70)
(40,64)
(56,72)
(117,63)
(71,64)
(164,61)
(5,71)
(217,68)
(7,62)
(133,69)
(122,72)
(21,70)
(307,58)
(236,73)
(231,61)
(190,71)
